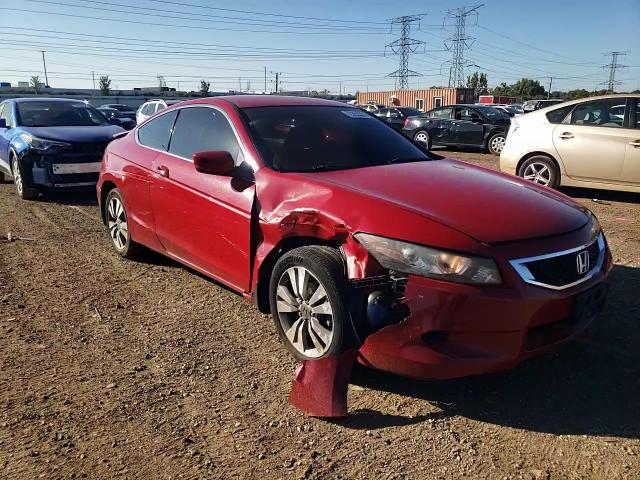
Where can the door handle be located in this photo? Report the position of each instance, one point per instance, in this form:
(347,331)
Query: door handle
(566,136)
(163,171)
(635,143)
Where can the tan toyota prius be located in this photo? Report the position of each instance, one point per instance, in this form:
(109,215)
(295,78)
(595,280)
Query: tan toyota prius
(593,142)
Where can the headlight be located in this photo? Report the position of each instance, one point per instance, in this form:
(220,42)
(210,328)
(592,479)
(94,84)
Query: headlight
(430,262)
(42,145)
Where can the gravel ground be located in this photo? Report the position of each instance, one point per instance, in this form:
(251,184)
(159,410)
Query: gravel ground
(114,369)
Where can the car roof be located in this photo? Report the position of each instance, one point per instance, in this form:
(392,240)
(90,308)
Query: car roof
(587,99)
(247,101)
(47,99)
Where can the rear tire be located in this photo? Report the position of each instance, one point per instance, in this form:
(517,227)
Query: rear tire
(496,142)
(116,219)
(542,170)
(308,298)
(423,138)
(24,190)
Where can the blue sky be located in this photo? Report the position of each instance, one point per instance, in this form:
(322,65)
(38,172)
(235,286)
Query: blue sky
(338,44)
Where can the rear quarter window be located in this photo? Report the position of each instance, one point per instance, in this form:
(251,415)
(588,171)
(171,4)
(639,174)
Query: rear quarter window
(559,114)
(156,133)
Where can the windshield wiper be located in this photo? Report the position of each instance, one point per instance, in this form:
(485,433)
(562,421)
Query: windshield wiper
(327,167)
(407,160)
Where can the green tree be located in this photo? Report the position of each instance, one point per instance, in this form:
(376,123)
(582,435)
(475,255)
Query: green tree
(204,88)
(527,88)
(36,84)
(577,94)
(502,90)
(483,84)
(478,81)
(105,85)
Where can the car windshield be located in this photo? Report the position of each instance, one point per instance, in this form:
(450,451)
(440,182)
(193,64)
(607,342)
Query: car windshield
(493,113)
(59,114)
(316,138)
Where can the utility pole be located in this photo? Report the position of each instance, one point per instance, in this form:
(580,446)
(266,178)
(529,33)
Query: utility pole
(277,78)
(46,78)
(240,84)
(404,47)
(549,91)
(613,67)
(93,77)
(265,80)
(457,43)
(340,87)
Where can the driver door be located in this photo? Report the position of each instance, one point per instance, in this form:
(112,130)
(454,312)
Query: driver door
(203,220)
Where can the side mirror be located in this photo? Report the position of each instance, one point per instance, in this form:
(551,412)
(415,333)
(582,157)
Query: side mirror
(395,115)
(3,123)
(214,163)
(476,119)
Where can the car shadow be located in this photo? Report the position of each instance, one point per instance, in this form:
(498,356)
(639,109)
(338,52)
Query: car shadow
(83,198)
(590,386)
(601,195)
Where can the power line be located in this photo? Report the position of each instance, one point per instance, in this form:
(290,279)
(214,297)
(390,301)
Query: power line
(250,12)
(197,27)
(164,13)
(458,42)
(404,46)
(613,67)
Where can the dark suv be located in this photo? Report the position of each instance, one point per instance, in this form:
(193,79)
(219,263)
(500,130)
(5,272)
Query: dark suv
(460,126)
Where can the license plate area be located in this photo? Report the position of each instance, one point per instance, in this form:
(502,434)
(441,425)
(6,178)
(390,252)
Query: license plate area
(70,168)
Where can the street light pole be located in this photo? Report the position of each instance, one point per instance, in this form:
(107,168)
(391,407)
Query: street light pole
(46,78)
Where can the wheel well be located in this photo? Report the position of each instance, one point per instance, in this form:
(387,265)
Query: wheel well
(491,134)
(266,267)
(536,154)
(107,186)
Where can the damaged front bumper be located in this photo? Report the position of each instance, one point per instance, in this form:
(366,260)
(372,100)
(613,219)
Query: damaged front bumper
(77,168)
(455,330)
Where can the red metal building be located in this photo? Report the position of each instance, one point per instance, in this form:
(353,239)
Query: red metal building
(420,99)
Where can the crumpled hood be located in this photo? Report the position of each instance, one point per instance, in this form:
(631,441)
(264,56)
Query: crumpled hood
(485,205)
(75,134)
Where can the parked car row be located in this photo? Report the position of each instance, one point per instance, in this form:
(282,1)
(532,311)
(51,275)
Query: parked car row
(349,233)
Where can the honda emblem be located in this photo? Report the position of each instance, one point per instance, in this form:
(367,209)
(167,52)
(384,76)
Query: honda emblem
(582,262)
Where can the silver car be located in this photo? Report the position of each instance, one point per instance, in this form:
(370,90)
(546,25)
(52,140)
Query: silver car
(593,142)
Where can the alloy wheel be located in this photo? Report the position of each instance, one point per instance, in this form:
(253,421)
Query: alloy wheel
(117,223)
(422,137)
(304,312)
(17,176)
(497,143)
(538,173)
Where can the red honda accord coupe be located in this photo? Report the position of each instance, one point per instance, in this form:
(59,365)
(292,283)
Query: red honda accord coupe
(351,235)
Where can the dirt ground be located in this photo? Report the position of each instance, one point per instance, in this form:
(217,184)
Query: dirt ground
(114,369)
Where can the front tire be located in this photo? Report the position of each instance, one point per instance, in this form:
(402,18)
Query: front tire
(496,142)
(308,298)
(542,170)
(24,190)
(116,219)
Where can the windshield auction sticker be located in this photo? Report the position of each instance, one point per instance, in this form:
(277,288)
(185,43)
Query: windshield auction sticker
(356,113)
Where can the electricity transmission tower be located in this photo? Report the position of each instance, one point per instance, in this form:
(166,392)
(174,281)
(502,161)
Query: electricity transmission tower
(457,43)
(613,67)
(404,46)
(162,84)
